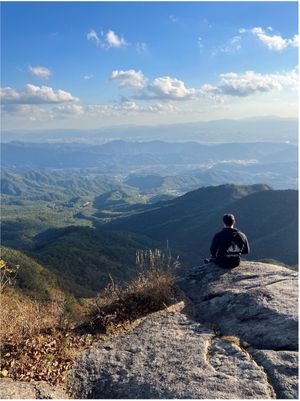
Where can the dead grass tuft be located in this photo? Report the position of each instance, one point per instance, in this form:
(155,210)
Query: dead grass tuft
(152,290)
(232,339)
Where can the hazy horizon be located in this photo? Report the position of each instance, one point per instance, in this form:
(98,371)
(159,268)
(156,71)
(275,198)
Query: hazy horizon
(259,129)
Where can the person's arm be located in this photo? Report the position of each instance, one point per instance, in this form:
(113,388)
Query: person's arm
(246,248)
(214,246)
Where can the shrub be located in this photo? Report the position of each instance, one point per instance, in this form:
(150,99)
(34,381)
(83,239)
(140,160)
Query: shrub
(153,289)
(7,275)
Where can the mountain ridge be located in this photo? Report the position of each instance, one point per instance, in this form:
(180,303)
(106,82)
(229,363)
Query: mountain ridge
(258,213)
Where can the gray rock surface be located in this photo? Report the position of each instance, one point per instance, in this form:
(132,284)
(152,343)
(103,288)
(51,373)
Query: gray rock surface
(256,301)
(184,354)
(10,389)
(168,356)
(282,370)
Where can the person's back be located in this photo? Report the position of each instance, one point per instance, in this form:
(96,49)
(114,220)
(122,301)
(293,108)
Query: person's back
(229,244)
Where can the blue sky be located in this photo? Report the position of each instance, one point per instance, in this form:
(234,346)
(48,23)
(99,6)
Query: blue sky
(89,64)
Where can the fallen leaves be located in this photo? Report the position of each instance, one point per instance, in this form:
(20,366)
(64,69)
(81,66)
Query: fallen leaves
(45,357)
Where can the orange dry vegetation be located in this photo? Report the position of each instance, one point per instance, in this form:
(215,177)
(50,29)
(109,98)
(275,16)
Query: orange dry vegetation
(44,356)
(153,289)
(22,316)
(36,343)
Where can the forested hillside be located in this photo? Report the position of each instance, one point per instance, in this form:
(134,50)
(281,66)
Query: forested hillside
(84,260)
(268,217)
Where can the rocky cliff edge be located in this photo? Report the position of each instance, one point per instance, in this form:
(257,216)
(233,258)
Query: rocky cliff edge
(235,336)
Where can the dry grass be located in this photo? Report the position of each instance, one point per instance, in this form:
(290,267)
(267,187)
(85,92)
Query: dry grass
(37,342)
(152,290)
(33,342)
(232,339)
(22,316)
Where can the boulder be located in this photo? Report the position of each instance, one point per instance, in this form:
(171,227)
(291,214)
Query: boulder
(168,355)
(257,302)
(10,389)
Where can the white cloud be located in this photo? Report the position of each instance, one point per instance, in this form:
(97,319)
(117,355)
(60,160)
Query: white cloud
(27,103)
(33,94)
(129,79)
(171,88)
(41,72)
(295,41)
(68,110)
(108,109)
(109,39)
(273,42)
(231,84)
(27,112)
(165,88)
(93,36)
(18,108)
(38,113)
(163,108)
(248,83)
(208,91)
(113,40)
(87,77)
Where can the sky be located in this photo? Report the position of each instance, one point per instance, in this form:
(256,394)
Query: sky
(93,64)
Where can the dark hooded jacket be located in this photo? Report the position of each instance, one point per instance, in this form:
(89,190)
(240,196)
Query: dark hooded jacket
(226,240)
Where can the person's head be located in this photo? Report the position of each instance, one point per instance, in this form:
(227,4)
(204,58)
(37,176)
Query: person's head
(229,220)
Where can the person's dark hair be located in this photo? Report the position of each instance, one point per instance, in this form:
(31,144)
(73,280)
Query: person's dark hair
(228,219)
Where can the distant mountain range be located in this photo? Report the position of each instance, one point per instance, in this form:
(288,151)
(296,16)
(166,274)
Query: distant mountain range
(188,223)
(157,165)
(256,129)
(119,154)
(54,185)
